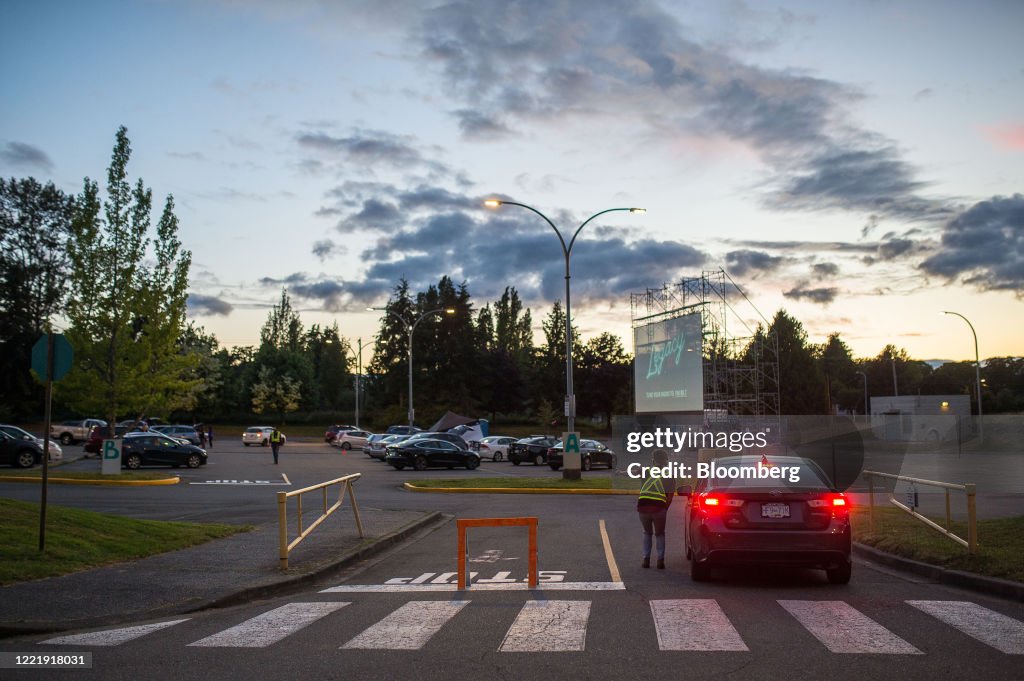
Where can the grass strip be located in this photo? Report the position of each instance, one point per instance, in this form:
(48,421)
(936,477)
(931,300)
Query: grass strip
(78,540)
(37,474)
(1000,551)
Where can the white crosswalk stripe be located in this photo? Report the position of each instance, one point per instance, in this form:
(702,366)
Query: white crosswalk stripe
(844,629)
(270,627)
(694,624)
(991,628)
(112,637)
(548,626)
(409,627)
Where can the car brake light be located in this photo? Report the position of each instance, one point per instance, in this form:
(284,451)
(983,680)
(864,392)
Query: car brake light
(711,501)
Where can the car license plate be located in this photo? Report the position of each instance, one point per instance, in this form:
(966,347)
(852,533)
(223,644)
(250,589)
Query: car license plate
(774,510)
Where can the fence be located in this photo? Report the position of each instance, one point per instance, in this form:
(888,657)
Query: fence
(344,485)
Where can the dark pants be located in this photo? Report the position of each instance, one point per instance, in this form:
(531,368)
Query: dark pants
(274,446)
(654,523)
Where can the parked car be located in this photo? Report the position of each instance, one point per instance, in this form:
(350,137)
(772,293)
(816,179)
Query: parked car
(402,430)
(156,449)
(751,522)
(456,440)
(14,451)
(71,432)
(351,439)
(19,434)
(592,453)
(377,449)
(332,432)
(95,442)
(426,453)
(259,435)
(533,448)
(187,433)
(495,447)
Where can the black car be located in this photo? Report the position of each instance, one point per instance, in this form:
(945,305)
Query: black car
(155,449)
(456,440)
(179,433)
(592,453)
(534,448)
(423,454)
(19,452)
(797,519)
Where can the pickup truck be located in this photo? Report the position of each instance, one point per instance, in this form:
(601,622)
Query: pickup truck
(71,432)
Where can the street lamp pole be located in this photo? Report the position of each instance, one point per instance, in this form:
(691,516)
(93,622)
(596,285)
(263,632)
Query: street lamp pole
(359,376)
(865,376)
(410,329)
(977,373)
(566,253)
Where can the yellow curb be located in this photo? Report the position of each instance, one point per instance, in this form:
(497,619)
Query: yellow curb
(515,490)
(90,481)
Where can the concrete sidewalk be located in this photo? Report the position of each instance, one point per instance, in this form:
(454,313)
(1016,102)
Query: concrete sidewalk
(221,572)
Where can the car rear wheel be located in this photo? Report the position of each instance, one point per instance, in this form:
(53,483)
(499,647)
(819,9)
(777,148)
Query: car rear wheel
(472,462)
(586,464)
(840,575)
(420,463)
(515,460)
(538,460)
(246,444)
(699,572)
(26,458)
(613,463)
(398,466)
(66,439)
(346,446)
(193,461)
(554,466)
(133,461)
(497,456)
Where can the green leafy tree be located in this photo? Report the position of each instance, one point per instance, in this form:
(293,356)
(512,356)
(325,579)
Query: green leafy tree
(549,367)
(283,369)
(275,393)
(126,316)
(801,384)
(605,370)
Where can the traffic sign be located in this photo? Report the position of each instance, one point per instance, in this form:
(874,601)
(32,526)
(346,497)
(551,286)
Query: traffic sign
(111,457)
(62,356)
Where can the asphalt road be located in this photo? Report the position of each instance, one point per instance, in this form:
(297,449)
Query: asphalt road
(399,617)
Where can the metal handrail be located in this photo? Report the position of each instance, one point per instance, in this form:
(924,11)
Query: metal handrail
(970,489)
(344,484)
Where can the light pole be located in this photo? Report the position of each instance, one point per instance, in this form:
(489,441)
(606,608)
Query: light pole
(410,328)
(895,384)
(359,374)
(566,252)
(865,377)
(977,373)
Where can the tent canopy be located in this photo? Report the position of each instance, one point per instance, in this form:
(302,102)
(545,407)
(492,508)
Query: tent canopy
(450,420)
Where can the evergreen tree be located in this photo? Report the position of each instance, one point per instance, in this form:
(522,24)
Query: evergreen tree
(283,368)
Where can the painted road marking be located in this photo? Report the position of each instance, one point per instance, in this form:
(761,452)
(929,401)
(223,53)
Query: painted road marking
(694,624)
(433,588)
(613,567)
(240,482)
(500,577)
(844,629)
(270,627)
(409,627)
(991,628)
(548,626)
(112,637)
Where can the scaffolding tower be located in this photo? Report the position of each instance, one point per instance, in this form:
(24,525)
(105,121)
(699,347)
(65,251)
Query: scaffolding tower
(740,361)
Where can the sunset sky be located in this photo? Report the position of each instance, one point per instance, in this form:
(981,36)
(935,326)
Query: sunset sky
(858,163)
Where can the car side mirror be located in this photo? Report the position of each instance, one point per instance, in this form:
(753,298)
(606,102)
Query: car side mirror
(684,491)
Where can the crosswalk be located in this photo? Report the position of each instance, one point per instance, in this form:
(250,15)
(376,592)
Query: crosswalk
(697,625)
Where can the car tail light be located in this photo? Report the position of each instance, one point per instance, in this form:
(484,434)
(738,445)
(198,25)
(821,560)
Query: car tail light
(835,502)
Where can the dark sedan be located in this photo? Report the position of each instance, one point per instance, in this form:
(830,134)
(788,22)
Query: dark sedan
(18,452)
(592,453)
(796,519)
(423,454)
(534,448)
(154,449)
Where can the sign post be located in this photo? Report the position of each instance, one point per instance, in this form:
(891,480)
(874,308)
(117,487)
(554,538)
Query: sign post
(51,360)
(571,455)
(111,457)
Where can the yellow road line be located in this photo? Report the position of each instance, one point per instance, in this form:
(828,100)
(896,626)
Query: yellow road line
(613,567)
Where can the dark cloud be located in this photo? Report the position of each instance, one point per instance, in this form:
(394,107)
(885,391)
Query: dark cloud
(290,280)
(742,262)
(822,296)
(325,248)
(824,270)
(476,125)
(199,304)
(810,246)
(375,215)
(896,248)
(371,149)
(23,155)
(984,246)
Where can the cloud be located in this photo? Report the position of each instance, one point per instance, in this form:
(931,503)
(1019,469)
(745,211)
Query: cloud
(23,155)
(199,304)
(476,125)
(822,296)
(824,270)
(371,149)
(325,248)
(741,262)
(375,215)
(984,246)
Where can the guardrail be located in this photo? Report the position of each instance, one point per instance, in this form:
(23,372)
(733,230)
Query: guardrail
(344,485)
(971,543)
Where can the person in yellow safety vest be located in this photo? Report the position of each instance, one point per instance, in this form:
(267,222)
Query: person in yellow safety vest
(652,505)
(276,439)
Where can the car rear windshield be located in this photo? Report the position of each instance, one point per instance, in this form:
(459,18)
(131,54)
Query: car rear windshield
(254,430)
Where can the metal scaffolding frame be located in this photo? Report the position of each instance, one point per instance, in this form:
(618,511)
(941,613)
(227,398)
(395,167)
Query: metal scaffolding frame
(741,372)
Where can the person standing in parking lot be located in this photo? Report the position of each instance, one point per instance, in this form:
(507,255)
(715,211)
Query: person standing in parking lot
(275,442)
(652,505)
(209,435)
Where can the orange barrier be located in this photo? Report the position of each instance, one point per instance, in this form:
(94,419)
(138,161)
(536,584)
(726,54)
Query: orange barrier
(463,550)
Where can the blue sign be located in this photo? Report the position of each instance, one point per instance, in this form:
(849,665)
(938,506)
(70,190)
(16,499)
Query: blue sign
(62,356)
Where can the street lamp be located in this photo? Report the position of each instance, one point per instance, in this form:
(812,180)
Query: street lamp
(865,376)
(977,373)
(566,252)
(410,328)
(359,374)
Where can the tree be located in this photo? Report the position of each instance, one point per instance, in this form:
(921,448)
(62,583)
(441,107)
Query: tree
(549,370)
(126,316)
(273,392)
(605,370)
(801,385)
(839,370)
(283,367)
(35,221)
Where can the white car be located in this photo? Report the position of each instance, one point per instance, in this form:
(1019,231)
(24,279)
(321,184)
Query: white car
(351,439)
(259,435)
(495,447)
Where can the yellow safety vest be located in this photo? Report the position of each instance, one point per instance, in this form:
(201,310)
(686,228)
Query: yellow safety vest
(275,437)
(653,489)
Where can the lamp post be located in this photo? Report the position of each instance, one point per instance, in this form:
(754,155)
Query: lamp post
(359,374)
(567,253)
(865,377)
(410,328)
(977,373)
(895,384)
